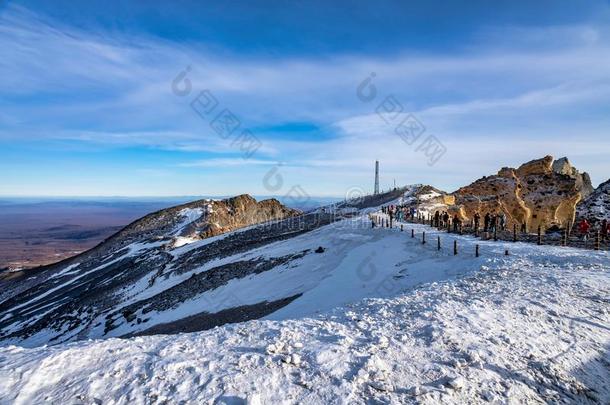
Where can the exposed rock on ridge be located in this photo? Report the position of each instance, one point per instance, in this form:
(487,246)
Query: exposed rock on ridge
(543,192)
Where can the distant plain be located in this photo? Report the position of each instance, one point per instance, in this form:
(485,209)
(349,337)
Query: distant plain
(41,231)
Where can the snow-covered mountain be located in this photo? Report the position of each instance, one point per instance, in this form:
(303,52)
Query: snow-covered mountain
(531,327)
(187,268)
(317,307)
(597,205)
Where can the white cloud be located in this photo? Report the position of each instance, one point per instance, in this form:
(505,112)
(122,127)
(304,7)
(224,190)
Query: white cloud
(228,162)
(499,102)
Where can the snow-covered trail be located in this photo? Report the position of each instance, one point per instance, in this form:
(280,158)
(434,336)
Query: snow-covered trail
(530,327)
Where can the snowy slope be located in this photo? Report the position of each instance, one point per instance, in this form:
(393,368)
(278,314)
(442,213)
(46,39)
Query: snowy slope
(596,206)
(530,327)
(159,276)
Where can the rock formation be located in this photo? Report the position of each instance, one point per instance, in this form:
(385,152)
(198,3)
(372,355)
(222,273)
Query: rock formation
(220,216)
(543,192)
(203,219)
(583,181)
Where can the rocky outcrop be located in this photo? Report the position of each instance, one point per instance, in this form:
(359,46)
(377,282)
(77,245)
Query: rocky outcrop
(543,192)
(596,206)
(583,180)
(238,212)
(203,219)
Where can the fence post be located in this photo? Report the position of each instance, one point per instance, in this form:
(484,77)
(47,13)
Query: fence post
(539,235)
(476,250)
(455,250)
(412,233)
(400,227)
(597,238)
(438,244)
(514,232)
(506,252)
(423,238)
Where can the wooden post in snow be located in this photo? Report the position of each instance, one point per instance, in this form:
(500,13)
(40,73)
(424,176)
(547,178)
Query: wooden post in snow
(597,239)
(476,250)
(455,250)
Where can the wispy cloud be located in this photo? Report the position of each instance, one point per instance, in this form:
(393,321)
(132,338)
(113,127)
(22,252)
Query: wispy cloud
(228,162)
(513,94)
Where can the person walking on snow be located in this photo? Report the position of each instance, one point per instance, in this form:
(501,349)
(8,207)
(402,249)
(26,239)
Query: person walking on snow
(583,228)
(493,221)
(605,229)
(502,221)
(446,219)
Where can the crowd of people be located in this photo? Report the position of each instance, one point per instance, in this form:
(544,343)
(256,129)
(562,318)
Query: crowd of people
(491,221)
(399,212)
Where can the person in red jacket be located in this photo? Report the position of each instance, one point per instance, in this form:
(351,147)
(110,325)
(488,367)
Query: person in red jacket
(583,227)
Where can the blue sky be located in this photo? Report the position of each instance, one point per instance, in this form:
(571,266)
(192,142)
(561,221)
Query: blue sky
(87,107)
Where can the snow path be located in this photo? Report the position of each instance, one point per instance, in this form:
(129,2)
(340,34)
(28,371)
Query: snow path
(532,327)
